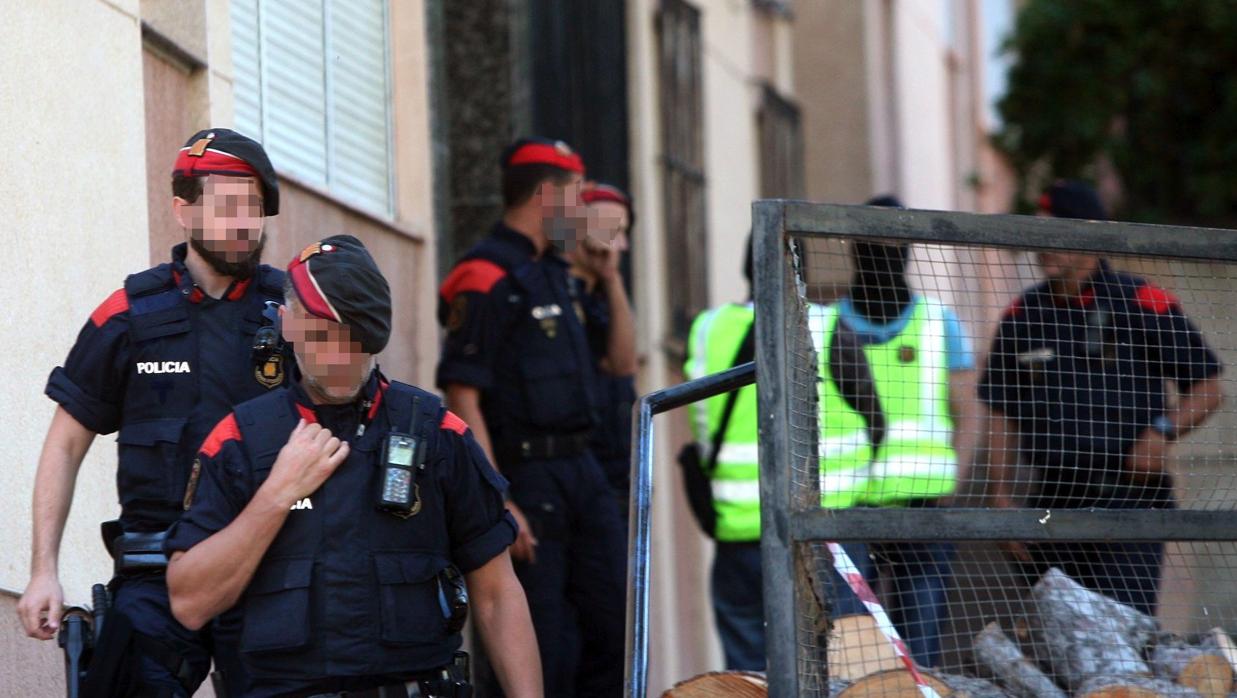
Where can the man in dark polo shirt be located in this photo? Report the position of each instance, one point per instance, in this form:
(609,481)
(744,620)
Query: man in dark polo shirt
(1076,380)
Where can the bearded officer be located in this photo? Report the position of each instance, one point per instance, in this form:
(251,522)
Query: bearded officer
(137,368)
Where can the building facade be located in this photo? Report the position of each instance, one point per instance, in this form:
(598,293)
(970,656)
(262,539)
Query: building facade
(384,119)
(98,97)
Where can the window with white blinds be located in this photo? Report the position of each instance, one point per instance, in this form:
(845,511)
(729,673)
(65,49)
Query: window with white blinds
(312,82)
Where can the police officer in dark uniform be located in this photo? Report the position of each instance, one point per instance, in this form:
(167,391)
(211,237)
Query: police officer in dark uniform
(1076,380)
(161,361)
(517,366)
(595,268)
(345,513)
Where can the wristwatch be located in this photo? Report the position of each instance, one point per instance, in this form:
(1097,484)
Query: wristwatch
(1165,426)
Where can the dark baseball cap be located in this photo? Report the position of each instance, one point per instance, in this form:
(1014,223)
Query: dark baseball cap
(1068,198)
(226,152)
(337,279)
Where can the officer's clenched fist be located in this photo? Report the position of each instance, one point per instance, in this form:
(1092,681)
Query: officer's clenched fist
(40,607)
(304,463)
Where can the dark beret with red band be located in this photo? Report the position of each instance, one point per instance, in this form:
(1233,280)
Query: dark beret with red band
(542,151)
(226,152)
(606,192)
(337,279)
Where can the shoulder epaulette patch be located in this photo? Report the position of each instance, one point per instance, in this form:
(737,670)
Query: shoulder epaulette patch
(116,303)
(226,430)
(451,422)
(477,275)
(1155,299)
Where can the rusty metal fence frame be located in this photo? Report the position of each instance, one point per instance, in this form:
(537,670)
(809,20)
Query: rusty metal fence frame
(786,527)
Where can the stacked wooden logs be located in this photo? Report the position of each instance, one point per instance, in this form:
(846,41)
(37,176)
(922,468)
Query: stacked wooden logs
(1076,643)
(1095,647)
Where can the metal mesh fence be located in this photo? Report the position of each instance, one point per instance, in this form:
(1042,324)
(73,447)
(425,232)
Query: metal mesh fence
(995,455)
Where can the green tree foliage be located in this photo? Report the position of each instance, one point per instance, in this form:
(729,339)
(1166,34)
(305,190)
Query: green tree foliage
(1148,85)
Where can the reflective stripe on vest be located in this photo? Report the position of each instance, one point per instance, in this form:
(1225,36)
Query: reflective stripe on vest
(714,340)
(916,459)
(845,446)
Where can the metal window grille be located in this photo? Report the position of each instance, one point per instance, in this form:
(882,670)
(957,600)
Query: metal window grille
(682,110)
(1079,622)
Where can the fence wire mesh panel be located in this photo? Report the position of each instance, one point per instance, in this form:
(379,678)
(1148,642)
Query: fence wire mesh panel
(997,459)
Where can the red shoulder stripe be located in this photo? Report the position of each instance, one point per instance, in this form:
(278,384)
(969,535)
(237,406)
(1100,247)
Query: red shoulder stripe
(1155,299)
(118,302)
(224,431)
(451,422)
(471,275)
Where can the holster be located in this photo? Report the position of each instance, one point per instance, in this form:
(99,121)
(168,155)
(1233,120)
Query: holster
(77,641)
(455,681)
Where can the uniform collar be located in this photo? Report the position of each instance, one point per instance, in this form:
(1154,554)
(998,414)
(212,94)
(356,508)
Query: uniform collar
(1086,295)
(510,236)
(184,280)
(368,403)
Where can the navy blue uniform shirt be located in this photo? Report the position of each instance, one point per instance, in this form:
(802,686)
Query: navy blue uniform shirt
(615,395)
(513,332)
(370,611)
(1082,378)
(163,372)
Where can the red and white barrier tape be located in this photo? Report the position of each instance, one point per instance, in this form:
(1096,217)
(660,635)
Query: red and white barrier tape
(854,579)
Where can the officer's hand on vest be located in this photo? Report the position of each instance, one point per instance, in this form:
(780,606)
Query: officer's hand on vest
(524,548)
(1149,456)
(40,606)
(304,463)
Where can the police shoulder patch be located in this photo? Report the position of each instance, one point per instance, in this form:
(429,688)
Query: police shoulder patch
(270,373)
(194,475)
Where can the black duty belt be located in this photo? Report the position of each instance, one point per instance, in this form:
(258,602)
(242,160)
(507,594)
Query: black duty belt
(412,689)
(544,446)
(135,553)
(444,684)
(450,681)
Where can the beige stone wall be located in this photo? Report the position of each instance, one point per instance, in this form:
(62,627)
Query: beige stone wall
(830,61)
(71,180)
(414,196)
(76,225)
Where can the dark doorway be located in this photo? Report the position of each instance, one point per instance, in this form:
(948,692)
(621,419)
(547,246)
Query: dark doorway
(506,68)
